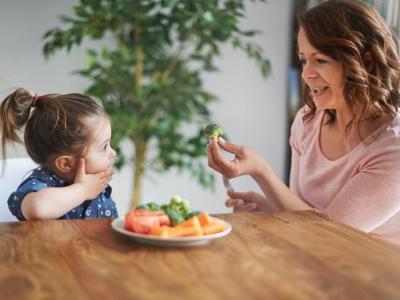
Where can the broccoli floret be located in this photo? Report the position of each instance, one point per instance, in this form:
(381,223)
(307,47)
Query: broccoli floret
(193,213)
(178,205)
(175,217)
(149,206)
(143,206)
(153,206)
(186,209)
(212,131)
(175,200)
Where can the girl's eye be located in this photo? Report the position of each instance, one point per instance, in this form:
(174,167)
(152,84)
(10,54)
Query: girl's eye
(105,147)
(321,61)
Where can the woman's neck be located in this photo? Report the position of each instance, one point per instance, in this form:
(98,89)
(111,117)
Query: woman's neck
(358,121)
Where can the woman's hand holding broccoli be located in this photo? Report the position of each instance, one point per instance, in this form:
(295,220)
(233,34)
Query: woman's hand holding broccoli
(245,162)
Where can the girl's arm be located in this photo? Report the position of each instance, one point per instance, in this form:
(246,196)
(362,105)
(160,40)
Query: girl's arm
(52,203)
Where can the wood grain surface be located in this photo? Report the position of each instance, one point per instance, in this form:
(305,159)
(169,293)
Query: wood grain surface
(289,255)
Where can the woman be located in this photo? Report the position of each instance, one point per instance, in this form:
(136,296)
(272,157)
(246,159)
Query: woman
(346,139)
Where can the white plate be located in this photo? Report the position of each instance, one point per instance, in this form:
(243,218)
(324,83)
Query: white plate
(119,226)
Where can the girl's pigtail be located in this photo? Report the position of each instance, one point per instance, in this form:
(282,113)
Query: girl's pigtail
(14,113)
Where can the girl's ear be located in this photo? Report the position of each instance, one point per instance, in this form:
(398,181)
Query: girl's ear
(65,163)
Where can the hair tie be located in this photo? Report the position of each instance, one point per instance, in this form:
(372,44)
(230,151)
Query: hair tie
(35,99)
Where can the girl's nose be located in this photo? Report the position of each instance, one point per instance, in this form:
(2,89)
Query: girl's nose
(113,153)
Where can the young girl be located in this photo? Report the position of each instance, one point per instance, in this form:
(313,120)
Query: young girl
(68,136)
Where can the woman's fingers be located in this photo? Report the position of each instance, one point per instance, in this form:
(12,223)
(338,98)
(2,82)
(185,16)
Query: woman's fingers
(229,167)
(246,207)
(106,175)
(234,202)
(248,196)
(217,154)
(211,160)
(243,201)
(229,147)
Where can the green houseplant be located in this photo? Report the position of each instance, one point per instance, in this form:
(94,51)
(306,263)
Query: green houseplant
(148,78)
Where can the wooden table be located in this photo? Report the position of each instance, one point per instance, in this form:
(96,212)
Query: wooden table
(289,255)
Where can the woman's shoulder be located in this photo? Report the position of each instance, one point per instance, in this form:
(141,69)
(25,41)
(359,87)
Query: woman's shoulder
(310,121)
(384,143)
(389,135)
(394,127)
(302,126)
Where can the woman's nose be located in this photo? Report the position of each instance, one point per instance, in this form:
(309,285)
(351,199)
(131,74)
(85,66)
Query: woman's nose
(308,72)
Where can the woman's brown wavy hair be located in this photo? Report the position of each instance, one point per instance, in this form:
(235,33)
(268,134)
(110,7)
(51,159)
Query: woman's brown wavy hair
(346,31)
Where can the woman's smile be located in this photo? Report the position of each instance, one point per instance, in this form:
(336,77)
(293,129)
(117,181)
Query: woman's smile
(319,91)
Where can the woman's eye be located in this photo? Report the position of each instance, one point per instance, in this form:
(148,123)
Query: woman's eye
(302,62)
(321,61)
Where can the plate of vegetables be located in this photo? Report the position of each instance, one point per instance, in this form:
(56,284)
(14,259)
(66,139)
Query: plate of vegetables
(173,224)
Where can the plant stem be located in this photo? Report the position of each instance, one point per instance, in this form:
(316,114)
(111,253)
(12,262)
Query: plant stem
(140,145)
(138,59)
(140,155)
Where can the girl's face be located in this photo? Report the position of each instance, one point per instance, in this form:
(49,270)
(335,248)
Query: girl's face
(322,74)
(99,154)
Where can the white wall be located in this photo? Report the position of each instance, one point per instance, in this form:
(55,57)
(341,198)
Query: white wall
(246,100)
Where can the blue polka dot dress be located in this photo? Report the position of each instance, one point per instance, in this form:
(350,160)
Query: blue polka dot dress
(100,207)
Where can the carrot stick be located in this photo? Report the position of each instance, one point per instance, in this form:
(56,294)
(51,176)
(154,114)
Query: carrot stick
(192,222)
(204,218)
(214,227)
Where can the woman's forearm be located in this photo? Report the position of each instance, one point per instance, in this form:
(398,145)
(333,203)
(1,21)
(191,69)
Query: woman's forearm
(276,190)
(52,203)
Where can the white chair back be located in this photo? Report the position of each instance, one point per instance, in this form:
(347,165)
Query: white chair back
(16,170)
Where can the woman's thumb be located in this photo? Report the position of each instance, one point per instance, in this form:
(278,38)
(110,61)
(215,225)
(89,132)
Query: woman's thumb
(235,195)
(232,148)
(245,196)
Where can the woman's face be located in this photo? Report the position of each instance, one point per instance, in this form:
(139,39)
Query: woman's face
(322,74)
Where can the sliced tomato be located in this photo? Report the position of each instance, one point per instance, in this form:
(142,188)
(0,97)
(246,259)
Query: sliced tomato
(164,220)
(143,224)
(128,221)
(142,221)
(143,212)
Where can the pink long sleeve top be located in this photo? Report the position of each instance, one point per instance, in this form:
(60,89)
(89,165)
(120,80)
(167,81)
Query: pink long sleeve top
(361,189)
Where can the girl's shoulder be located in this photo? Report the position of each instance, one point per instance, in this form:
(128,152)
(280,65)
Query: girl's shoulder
(47,177)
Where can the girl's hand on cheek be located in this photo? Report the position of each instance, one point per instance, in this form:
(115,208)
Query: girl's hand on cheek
(92,184)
